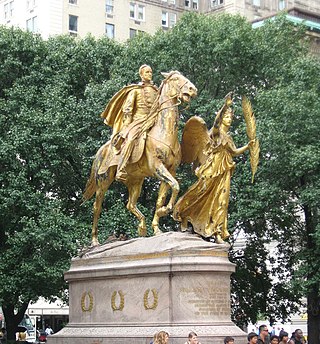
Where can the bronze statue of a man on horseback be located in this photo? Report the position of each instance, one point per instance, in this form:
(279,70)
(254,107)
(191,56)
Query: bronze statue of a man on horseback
(144,143)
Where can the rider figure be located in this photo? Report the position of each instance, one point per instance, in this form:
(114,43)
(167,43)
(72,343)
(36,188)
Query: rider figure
(137,101)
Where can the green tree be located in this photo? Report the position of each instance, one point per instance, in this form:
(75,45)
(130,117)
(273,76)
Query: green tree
(289,116)
(46,130)
(50,129)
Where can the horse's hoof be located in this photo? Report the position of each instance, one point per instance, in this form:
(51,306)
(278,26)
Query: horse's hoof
(94,243)
(157,231)
(185,229)
(142,231)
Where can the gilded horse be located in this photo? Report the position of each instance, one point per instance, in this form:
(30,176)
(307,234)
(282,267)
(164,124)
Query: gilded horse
(160,157)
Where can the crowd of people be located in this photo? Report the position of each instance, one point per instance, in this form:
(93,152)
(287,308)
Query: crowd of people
(264,337)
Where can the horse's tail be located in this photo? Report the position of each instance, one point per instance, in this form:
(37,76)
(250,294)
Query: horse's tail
(91,185)
(102,157)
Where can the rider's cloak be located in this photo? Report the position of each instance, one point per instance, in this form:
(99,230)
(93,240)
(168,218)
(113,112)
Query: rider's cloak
(113,114)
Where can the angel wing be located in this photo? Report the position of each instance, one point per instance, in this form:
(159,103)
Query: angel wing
(251,132)
(195,138)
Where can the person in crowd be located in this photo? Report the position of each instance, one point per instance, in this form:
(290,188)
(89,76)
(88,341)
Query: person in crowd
(22,338)
(162,337)
(3,335)
(154,338)
(192,338)
(274,339)
(228,340)
(252,338)
(284,337)
(263,335)
(48,330)
(297,337)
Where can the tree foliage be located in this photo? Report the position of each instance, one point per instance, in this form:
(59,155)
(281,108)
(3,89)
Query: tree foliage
(51,95)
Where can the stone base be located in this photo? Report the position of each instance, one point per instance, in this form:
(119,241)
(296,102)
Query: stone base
(127,291)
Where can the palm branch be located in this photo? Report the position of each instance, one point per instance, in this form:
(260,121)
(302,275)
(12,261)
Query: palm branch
(251,132)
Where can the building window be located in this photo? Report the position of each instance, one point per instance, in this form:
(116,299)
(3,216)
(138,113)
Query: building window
(8,10)
(187,3)
(140,12)
(164,19)
(31,4)
(195,4)
(282,5)
(168,19)
(172,19)
(215,3)
(109,6)
(73,2)
(73,23)
(132,33)
(110,30)
(137,12)
(256,2)
(32,24)
(132,10)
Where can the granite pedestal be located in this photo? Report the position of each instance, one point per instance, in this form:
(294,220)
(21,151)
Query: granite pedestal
(127,290)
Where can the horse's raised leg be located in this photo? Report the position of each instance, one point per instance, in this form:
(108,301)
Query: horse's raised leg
(163,190)
(102,187)
(134,188)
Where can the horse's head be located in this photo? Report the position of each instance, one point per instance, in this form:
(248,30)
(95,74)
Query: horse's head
(179,87)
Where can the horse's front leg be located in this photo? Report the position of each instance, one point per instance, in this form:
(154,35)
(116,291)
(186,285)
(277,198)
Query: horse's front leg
(165,176)
(134,187)
(162,195)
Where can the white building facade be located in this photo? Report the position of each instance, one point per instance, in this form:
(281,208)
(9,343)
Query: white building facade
(119,19)
(122,19)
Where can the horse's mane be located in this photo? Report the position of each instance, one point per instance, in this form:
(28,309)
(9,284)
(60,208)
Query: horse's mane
(154,111)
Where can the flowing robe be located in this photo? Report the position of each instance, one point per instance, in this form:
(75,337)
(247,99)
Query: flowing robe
(205,204)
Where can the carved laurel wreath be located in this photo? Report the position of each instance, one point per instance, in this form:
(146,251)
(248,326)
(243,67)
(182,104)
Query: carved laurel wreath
(84,296)
(113,301)
(155,299)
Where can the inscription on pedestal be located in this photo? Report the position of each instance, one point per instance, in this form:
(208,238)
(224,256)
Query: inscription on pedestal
(208,300)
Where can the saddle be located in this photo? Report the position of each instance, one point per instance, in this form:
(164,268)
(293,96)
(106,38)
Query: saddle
(110,154)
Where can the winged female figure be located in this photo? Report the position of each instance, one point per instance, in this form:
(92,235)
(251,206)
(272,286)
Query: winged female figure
(205,204)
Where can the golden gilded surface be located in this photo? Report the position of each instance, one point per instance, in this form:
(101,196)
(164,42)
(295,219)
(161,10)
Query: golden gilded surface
(113,301)
(87,306)
(205,204)
(144,143)
(251,132)
(146,301)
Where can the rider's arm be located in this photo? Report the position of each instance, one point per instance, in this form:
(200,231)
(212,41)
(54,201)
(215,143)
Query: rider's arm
(129,108)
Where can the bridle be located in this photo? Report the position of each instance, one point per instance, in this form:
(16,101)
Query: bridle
(177,88)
